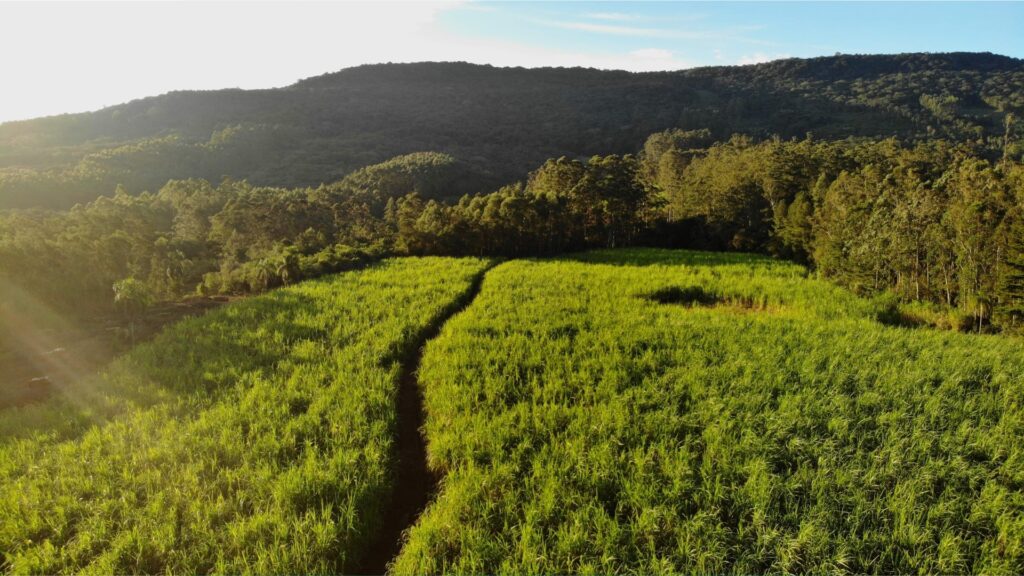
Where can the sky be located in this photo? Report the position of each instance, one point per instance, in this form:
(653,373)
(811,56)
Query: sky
(59,57)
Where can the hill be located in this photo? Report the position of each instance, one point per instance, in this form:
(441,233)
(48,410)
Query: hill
(500,121)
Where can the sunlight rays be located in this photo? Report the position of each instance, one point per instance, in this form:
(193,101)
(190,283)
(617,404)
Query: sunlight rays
(44,352)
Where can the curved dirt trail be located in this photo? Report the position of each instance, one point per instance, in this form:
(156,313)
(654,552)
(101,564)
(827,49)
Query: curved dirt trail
(415,483)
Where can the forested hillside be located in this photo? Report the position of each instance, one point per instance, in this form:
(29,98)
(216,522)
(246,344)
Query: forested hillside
(937,223)
(498,122)
(934,215)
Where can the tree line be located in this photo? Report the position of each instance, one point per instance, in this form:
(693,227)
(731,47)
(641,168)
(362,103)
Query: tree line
(935,222)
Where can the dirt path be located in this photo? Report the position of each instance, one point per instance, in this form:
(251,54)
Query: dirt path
(415,484)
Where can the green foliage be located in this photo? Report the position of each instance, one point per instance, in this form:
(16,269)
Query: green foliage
(231,238)
(132,295)
(943,107)
(584,428)
(931,222)
(431,175)
(1011,279)
(255,439)
(565,204)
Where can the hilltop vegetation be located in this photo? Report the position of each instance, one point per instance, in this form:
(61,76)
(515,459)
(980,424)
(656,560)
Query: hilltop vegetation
(226,238)
(255,439)
(761,422)
(502,122)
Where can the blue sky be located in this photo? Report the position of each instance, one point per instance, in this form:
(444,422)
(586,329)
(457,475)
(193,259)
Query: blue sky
(714,33)
(77,56)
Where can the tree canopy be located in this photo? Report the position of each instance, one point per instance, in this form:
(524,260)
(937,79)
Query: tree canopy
(933,221)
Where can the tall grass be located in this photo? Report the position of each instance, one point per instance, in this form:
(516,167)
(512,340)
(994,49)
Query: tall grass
(254,439)
(584,427)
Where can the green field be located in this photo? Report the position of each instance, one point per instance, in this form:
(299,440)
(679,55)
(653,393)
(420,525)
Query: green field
(254,439)
(626,411)
(776,426)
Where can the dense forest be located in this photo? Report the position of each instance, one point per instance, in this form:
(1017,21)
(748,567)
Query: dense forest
(500,122)
(933,222)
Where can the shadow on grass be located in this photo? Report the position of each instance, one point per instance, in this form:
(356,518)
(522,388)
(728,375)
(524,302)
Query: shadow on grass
(699,297)
(668,257)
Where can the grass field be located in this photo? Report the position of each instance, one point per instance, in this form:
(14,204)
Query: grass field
(627,411)
(254,439)
(655,411)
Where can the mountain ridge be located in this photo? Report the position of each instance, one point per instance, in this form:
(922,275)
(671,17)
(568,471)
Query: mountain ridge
(995,59)
(506,120)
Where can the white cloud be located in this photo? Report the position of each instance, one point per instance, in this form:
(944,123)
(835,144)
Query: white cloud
(759,58)
(731,34)
(478,7)
(616,16)
(514,54)
(614,29)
